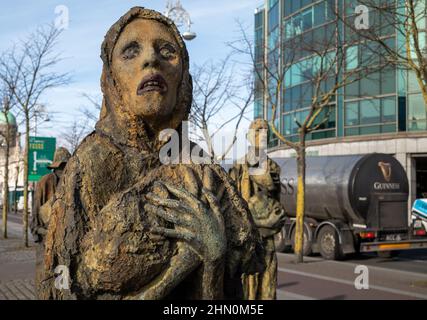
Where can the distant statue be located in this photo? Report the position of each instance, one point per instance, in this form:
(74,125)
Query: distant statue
(44,193)
(261,189)
(126,226)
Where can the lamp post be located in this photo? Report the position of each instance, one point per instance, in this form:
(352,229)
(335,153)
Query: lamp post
(181,17)
(40,111)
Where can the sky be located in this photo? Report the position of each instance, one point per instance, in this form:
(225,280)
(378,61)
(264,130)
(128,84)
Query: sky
(79,44)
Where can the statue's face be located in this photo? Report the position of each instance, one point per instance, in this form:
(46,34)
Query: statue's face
(148,66)
(258,136)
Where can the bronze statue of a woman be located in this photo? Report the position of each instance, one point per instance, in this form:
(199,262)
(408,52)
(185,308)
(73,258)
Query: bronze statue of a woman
(123,224)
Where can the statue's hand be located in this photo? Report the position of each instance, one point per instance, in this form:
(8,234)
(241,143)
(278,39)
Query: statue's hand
(198,223)
(279,220)
(274,221)
(42,231)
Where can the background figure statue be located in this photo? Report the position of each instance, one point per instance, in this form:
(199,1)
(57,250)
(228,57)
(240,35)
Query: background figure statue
(262,192)
(44,192)
(127,226)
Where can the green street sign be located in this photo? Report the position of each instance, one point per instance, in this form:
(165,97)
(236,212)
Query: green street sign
(40,155)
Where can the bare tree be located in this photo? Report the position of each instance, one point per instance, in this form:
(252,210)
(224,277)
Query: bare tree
(6,137)
(92,110)
(17,171)
(382,22)
(75,134)
(27,69)
(83,124)
(320,63)
(217,93)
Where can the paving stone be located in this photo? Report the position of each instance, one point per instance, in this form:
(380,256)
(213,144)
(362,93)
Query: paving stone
(17,265)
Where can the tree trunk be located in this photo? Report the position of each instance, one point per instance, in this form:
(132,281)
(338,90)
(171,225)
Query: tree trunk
(6,179)
(27,147)
(299,232)
(15,202)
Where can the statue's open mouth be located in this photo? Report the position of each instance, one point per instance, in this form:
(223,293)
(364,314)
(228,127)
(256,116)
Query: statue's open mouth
(154,82)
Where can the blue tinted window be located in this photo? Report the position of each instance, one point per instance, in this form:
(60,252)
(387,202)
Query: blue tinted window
(287,7)
(273,17)
(370,111)
(287,124)
(417,110)
(351,113)
(259,19)
(272,3)
(296,5)
(352,57)
(389,109)
(307,19)
(388,80)
(370,130)
(320,13)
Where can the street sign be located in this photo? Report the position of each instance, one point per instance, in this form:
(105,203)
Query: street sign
(40,155)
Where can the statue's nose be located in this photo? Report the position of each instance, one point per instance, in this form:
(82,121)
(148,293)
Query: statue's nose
(150,58)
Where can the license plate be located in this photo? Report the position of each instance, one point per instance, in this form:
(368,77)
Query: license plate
(418,224)
(393,237)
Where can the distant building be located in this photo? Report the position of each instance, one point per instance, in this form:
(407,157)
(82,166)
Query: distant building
(16,160)
(385,113)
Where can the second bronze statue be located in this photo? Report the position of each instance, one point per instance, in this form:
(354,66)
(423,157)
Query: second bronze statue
(262,192)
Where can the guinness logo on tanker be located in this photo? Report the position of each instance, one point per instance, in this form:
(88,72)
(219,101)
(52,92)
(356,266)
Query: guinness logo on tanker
(386,172)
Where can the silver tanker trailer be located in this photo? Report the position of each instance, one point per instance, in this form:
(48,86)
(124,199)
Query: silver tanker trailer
(356,203)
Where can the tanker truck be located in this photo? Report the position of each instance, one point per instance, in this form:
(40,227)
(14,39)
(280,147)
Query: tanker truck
(355,203)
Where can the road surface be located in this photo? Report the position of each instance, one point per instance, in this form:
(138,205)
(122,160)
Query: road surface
(403,277)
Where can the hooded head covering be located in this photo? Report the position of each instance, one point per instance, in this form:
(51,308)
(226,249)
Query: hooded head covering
(136,129)
(258,124)
(61,157)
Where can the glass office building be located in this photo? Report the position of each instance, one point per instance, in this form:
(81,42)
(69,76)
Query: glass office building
(384,112)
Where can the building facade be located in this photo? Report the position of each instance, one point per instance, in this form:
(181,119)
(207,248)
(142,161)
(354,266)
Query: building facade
(16,160)
(384,112)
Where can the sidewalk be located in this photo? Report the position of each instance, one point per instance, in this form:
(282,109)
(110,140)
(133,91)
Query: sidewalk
(17,265)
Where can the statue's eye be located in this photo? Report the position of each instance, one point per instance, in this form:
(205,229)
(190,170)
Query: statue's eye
(167,51)
(131,51)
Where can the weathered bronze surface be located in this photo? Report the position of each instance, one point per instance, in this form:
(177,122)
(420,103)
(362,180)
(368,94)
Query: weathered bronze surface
(124,224)
(262,192)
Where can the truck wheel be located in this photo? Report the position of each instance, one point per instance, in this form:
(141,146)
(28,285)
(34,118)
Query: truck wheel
(306,250)
(280,240)
(328,243)
(387,254)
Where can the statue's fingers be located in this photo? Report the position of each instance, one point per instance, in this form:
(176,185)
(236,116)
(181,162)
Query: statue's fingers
(190,181)
(172,233)
(160,190)
(213,203)
(184,195)
(169,203)
(156,200)
(171,216)
(208,179)
(226,207)
(221,192)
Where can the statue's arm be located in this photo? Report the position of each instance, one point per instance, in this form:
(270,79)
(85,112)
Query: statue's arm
(176,261)
(180,266)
